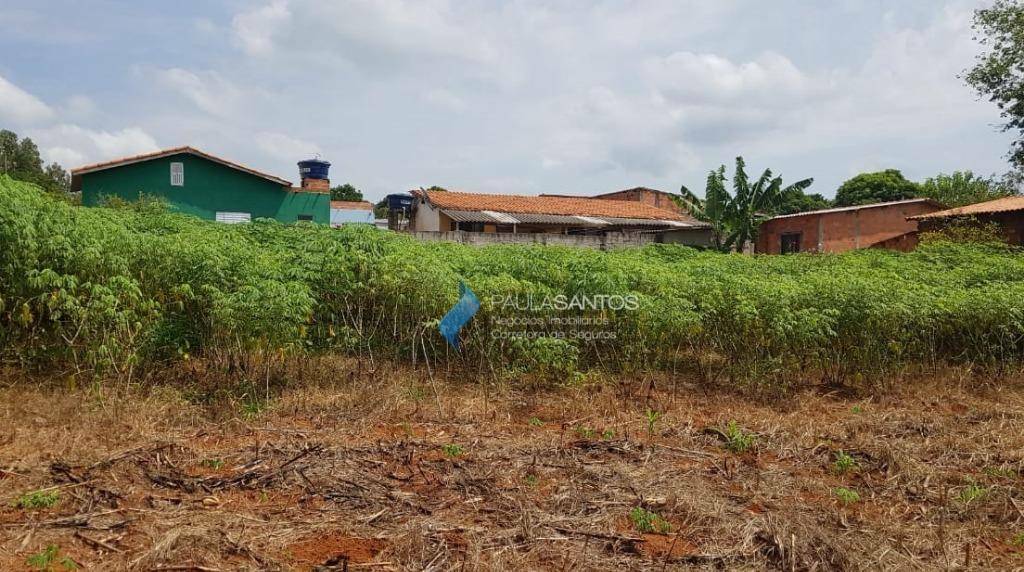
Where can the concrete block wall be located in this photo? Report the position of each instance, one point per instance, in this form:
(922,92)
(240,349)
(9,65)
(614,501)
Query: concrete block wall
(605,242)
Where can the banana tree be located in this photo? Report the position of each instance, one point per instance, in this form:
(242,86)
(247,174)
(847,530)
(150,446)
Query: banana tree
(735,218)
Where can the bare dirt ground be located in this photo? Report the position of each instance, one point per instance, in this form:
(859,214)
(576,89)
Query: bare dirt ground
(387,471)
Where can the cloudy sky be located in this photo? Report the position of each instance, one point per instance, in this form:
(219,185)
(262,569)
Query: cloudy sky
(525,96)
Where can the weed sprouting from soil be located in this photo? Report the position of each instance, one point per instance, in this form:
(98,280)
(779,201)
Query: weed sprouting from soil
(843,462)
(451,450)
(646,521)
(535,422)
(845,495)
(586,432)
(652,417)
(50,560)
(1001,472)
(252,404)
(737,439)
(37,500)
(972,492)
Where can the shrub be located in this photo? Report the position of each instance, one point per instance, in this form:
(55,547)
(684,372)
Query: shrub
(115,292)
(968,230)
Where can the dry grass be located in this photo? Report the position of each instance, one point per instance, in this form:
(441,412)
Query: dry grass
(355,474)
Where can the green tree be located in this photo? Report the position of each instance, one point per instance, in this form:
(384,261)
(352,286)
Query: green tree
(346,192)
(796,201)
(56,179)
(880,187)
(8,152)
(999,71)
(735,218)
(710,209)
(29,165)
(962,188)
(20,159)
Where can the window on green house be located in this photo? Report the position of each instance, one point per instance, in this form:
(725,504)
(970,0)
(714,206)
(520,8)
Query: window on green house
(305,217)
(177,174)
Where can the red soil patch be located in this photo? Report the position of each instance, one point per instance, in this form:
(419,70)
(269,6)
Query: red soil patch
(336,546)
(666,546)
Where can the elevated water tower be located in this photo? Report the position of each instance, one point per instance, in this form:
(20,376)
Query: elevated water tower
(314,174)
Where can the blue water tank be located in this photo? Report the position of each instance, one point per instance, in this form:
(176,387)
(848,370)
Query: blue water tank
(314,169)
(399,201)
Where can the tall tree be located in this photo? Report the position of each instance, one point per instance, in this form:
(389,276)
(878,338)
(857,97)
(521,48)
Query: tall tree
(346,192)
(998,73)
(962,188)
(880,187)
(712,208)
(8,152)
(735,218)
(20,159)
(796,201)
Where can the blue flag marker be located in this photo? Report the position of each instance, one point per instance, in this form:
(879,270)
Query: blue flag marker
(460,315)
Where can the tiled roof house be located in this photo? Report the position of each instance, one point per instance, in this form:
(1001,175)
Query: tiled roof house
(476,212)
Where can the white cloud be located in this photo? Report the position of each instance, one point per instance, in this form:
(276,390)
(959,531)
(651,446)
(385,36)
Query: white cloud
(703,78)
(603,130)
(254,30)
(20,107)
(691,110)
(78,107)
(209,91)
(64,156)
(281,145)
(906,90)
(363,32)
(72,145)
(547,96)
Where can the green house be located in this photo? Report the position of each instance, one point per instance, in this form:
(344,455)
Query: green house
(200,184)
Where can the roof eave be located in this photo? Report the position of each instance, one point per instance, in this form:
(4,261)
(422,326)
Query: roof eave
(96,167)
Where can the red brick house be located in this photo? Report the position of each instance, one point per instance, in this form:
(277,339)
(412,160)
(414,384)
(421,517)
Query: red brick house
(845,228)
(1007,213)
(653,197)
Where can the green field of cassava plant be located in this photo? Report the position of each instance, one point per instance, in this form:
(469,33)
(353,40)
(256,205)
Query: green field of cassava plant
(106,291)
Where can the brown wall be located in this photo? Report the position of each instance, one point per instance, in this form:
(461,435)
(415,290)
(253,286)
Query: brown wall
(902,243)
(844,230)
(646,196)
(1010,223)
